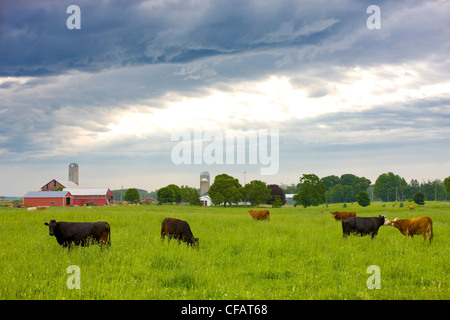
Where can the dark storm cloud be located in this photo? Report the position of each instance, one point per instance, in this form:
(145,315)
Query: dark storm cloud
(120,33)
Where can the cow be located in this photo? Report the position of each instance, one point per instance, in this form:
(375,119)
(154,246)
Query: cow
(410,227)
(80,233)
(339,215)
(412,208)
(178,229)
(363,226)
(260,214)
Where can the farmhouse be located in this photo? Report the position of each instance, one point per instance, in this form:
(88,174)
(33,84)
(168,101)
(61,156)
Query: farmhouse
(47,198)
(206,200)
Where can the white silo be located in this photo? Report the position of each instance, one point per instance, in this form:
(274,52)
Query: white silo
(204,182)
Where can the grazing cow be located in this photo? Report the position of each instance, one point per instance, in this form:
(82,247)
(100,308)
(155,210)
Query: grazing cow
(80,233)
(178,229)
(260,214)
(339,215)
(410,227)
(412,208)
(363,226)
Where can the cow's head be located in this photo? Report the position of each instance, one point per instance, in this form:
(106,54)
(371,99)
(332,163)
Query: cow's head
(386,220)
(393,222)
(51,227)
(196,243)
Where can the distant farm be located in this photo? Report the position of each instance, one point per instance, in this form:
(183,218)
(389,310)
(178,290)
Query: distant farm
(299,254)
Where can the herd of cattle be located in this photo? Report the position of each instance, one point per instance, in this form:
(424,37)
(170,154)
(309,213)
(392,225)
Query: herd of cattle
(86,233)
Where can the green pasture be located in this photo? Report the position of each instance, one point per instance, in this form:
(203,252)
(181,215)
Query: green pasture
(299,254)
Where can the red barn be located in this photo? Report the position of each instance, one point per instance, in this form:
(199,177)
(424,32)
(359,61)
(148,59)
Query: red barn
(48,198)
(99,196)
(55,184)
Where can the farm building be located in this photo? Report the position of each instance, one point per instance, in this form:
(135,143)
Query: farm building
(55,184)
(47,198)
(68,197)
(99,196)
(206,200)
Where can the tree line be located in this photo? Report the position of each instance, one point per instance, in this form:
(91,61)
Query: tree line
(310,191)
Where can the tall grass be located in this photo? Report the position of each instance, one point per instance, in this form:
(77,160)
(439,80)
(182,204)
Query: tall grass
(299,254)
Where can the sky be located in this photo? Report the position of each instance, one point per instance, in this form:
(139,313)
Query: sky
(143,84)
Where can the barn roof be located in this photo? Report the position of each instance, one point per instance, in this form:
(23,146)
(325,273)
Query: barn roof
(46,194)
(87,191)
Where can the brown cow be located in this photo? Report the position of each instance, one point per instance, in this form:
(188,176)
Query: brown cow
(412,208)
(260,214)
(178,229)
(339,215)
(410,227)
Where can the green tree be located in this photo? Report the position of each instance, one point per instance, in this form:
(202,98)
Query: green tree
(132,195)
(176,192)
(330,181)
(256,192)
(311,191)
(190,195)
(363,198)
(388,186)
(447,184)
(165,195)
(225,189)
(419,198)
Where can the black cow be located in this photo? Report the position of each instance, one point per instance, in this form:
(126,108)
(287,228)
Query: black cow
(178,229)
(80,233)
(363,226)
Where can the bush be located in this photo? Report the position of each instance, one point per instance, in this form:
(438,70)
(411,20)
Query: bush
(419,198)
(363,198)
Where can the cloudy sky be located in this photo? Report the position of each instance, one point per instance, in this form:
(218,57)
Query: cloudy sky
(112,95)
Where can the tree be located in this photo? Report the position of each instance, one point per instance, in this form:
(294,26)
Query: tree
(256,192)
(419,198)
(165,195)
(447,184)
(363,198)
(190,195)
(330,181)
(132,195)
(275,190)
(176,192)
(225,189)
(388,186)
(311,191)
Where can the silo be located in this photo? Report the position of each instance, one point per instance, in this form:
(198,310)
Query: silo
(73,172)
(204,182)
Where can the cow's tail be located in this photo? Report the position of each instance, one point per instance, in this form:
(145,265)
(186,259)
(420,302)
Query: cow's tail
(430,230)
(108,243)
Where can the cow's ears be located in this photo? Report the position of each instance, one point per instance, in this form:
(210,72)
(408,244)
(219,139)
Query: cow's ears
(46,223)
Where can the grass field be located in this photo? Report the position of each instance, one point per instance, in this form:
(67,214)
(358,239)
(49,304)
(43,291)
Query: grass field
(299,254)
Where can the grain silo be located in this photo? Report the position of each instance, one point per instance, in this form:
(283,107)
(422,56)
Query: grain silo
(73,172)
(204,182)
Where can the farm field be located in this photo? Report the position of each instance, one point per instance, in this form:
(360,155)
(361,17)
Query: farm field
(299,254)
